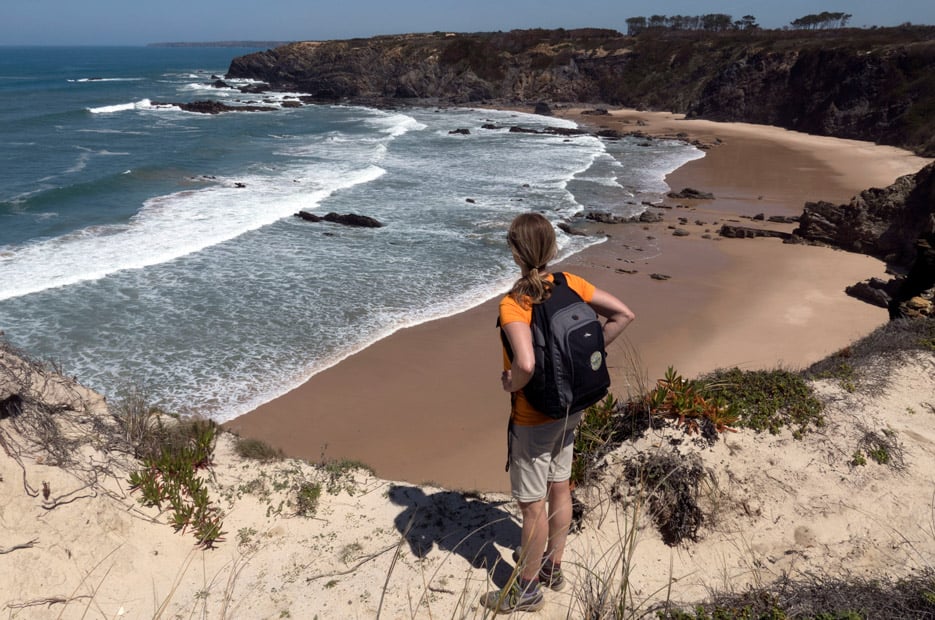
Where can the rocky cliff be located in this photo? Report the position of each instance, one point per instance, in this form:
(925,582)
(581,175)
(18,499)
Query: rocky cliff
(454,68)
(895,224)
(873,85)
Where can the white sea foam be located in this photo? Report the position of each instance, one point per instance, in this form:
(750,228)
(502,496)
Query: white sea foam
(394,125)
(610,181)
(112,131)
(167,228)
(85,156)
(81,163)
(658,164)
(142,104)
(202,86)
(94,79)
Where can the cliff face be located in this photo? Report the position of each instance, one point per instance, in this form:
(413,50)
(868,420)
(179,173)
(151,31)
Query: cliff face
(895,224)
(876,85)
(875,94)
(884,223)
(527,65)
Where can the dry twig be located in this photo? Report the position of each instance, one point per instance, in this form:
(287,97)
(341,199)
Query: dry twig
(365,559)
(26,545)
(49,600)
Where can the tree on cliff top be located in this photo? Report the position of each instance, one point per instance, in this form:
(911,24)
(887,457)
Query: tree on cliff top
(710,22)
(821,21)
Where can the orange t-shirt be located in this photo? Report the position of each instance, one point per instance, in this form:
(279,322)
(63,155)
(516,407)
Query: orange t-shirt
(522,412)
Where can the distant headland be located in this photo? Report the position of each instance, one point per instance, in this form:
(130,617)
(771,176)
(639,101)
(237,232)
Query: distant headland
(266,44)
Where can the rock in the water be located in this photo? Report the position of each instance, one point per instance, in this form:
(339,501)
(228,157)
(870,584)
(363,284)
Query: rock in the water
(348,219)
(214,107)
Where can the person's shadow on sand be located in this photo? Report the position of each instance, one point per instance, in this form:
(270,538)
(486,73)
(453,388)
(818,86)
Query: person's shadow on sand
(458,523)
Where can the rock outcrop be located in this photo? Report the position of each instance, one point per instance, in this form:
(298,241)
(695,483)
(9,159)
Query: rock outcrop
(895,224)
(213,107)
(603,217)
(885,223)
(916,294)
(690,193)
(748,232)
(345,219)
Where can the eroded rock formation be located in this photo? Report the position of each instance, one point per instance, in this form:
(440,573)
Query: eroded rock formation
(895,224)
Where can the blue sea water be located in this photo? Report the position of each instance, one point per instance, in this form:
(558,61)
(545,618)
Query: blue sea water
(143,246)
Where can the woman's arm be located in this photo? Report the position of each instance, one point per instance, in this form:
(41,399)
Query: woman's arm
(616,312)
(524,359)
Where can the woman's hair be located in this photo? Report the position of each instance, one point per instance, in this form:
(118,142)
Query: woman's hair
(532,240)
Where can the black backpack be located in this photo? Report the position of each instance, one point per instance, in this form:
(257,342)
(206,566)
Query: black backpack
(568,341)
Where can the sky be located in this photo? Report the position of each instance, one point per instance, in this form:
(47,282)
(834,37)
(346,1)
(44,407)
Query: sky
(119,22)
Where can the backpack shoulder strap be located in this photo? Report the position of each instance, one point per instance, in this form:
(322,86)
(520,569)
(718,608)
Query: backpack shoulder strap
(562,293)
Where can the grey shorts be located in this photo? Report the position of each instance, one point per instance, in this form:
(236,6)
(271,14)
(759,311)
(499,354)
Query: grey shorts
(541,454)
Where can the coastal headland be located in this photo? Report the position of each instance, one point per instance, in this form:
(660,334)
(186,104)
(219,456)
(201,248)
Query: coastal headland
(425,404)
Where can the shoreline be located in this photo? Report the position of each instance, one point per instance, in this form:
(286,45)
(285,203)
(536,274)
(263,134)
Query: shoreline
(424,404)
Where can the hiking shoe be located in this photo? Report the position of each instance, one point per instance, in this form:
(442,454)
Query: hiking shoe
(514,599)
(553,579)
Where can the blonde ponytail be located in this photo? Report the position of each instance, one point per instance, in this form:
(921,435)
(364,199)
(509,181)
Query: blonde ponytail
(532,241)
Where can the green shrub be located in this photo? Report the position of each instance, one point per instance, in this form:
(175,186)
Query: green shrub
(340,472)
(168,477)
(257,450)
(692,403)
(768,400)
(593,439)
(883,448)
(840,369)
(307,495)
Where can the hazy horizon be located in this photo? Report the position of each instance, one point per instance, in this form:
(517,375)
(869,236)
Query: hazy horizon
(113,23)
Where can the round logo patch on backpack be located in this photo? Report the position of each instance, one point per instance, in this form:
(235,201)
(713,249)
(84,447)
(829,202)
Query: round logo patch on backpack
(596,360)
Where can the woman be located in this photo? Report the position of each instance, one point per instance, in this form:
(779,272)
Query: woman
(540,446)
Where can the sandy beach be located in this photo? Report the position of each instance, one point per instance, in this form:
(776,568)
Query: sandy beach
(424,405)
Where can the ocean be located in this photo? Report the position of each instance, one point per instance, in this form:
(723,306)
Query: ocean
(147,248)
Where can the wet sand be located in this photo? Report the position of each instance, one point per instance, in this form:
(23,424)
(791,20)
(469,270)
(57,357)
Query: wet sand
(425,404)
